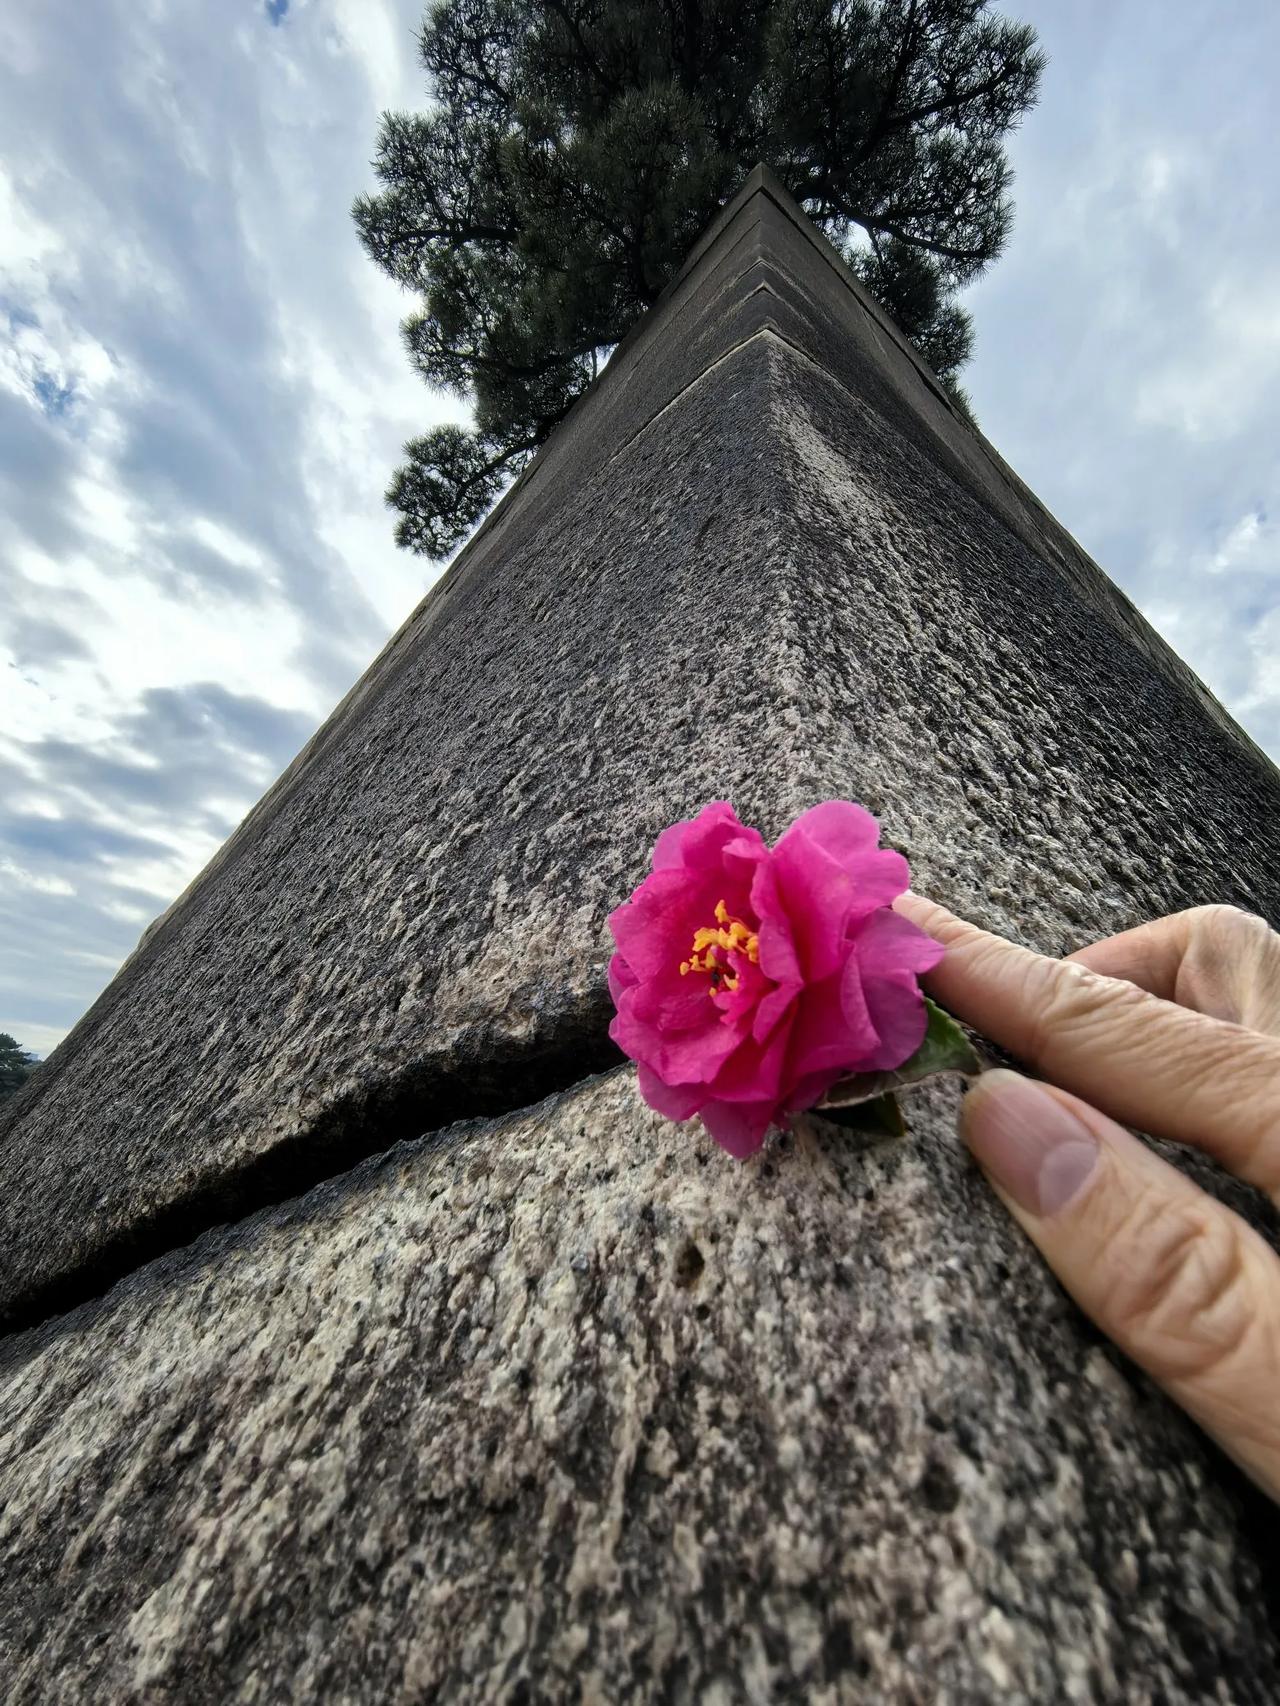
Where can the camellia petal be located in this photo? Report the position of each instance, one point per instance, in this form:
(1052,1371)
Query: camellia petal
(699,842)
(672,1003)
(817,893)
(694,1057)
(778,958)
(621,977)
(888,942)
(823,1039)
(739,1127)
(882,877)
(676,1101)
(748,980)
(899,1015)
(773,1008)
(840,827)
(756,1072)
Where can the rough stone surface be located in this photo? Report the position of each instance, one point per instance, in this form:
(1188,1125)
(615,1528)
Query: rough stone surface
(762,560)
(563,1404)
(571,1406)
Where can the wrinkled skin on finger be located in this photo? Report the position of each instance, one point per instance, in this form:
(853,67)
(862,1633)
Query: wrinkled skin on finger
(1216,960)
(1137,1056)
(1172,1028)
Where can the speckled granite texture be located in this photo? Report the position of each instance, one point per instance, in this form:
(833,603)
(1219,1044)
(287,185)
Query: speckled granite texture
(761,560)
(564,1405)
(572,1407)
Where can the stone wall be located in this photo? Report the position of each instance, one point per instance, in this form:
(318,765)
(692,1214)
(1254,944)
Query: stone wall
(560,1402)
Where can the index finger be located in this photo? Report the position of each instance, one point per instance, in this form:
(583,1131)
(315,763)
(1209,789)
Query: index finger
(1143,1060)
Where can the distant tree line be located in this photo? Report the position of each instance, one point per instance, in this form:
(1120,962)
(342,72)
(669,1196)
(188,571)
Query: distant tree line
(16,1065)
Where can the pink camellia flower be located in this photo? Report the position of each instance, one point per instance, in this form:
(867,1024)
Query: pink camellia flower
(748,981)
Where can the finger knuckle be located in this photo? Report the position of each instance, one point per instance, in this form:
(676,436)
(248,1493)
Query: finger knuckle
(1182,1300)
(1220,915)
(1229,933)
(1074,1002)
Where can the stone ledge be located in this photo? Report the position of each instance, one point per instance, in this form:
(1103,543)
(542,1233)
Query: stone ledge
(572,1406)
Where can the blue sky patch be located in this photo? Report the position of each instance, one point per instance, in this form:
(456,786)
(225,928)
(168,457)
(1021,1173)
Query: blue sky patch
(54,399)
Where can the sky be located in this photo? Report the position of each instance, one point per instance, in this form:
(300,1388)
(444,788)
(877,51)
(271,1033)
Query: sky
(202,394)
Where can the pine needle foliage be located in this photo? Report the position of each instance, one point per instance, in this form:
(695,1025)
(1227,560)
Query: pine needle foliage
(574,150)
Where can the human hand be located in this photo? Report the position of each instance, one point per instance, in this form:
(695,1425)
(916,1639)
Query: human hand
(1173,1028)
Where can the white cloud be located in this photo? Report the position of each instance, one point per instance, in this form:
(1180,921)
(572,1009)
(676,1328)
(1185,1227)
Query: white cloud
(202,395)
(1225,367)
(27,242)
(130,914)
(36,1038)
(25,879)
(227,543)
(1264,645)
(1253,544)
(1128,355)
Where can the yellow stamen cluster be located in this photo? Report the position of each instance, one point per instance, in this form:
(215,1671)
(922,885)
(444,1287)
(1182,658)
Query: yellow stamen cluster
(732,936)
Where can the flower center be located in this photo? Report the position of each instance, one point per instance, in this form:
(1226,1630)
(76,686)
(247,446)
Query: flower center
(712,947)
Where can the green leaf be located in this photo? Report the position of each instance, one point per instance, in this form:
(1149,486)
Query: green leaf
(945,1049)
(879,1118)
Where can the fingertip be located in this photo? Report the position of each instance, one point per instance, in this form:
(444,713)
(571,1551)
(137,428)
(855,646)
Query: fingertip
(928,914)
(1031,1142)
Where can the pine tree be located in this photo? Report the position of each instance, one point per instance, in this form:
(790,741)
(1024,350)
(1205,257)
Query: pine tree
(577,147)
(16,1065)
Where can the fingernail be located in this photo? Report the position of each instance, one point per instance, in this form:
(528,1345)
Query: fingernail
(1032,1144)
